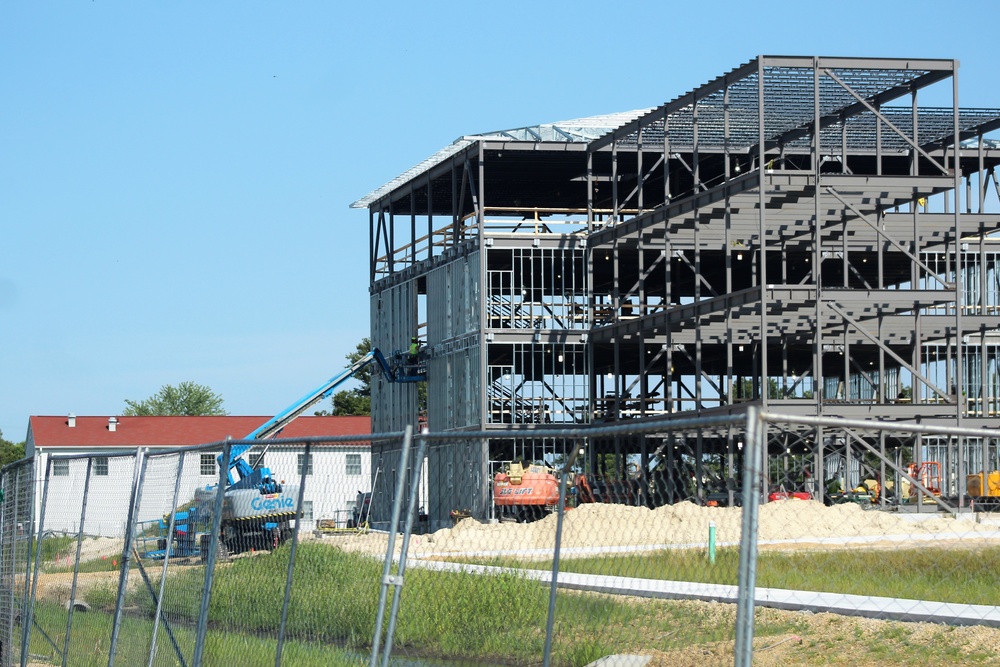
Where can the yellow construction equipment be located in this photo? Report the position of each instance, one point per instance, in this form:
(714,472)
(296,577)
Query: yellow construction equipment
(984,490)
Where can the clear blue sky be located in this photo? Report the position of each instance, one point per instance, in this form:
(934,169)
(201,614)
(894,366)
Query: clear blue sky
(175,176)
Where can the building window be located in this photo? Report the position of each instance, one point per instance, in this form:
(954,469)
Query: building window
(101,466)
(60,468)
(354,464)
(303,467)
(307,510)
(208,465)
(256,460)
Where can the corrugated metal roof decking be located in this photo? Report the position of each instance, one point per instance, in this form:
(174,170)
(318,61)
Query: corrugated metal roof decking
(575,130)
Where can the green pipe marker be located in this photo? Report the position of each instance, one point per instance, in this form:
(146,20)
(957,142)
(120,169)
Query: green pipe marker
(711,542)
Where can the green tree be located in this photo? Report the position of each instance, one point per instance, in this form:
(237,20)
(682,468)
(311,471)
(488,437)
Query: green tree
(357,401)
(10,451)
(350,402)
(746,391)
(187,399)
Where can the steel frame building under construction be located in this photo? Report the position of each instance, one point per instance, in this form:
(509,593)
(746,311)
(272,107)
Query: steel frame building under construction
(801,233)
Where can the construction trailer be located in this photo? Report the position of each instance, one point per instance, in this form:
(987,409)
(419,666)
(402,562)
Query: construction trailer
(800,233)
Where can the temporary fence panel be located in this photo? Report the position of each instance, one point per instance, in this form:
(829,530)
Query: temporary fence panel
(573,576)
(17,484)
(681,555)
(901,539)
(73,568)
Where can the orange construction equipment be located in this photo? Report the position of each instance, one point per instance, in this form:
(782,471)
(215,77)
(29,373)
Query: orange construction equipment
(788,495)
(528,494)
(524,495)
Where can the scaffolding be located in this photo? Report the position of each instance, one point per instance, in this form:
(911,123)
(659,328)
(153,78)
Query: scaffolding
(799,234)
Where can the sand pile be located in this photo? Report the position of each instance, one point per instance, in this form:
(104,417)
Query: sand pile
(597,525)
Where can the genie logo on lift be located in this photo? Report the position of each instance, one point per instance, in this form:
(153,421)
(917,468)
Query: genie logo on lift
(274,502)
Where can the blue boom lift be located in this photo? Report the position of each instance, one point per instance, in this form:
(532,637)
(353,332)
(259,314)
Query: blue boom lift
(257,509)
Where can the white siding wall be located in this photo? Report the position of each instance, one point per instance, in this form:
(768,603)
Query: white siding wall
(329,488)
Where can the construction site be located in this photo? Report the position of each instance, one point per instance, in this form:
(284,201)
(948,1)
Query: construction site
(807,235)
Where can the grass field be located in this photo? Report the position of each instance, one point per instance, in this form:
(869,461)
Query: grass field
(966,576)
(500,619)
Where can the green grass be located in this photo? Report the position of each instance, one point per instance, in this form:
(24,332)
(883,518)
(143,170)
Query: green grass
(109,564)
(449,615)
(53,546)
(483,618)
(91,634)
(946,575)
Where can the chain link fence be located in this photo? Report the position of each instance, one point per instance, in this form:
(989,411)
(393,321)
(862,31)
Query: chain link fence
(700,541)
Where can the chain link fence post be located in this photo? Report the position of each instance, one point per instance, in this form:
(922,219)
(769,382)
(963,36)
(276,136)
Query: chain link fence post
(291,556)
(18,492)
(158,598)
(213,552)
(126,556)
(554,584)
(26,529)
(76,562)
(747,578)
(387,578)
(407,530)
(29,616)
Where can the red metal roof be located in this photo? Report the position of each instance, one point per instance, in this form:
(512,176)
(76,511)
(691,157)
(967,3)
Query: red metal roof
(177,431)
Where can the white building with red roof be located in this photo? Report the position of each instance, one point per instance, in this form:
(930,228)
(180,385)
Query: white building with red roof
(333,475)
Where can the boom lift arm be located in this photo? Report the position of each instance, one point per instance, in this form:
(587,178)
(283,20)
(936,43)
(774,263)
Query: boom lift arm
(259,510)
(248,476)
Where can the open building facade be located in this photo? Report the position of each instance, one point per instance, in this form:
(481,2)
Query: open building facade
(807,234)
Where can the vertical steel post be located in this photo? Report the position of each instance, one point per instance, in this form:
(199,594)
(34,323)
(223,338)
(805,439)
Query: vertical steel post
(15,529)
(291,557)
(960,277)
(614,181)
(752,478)
(413,227)
(29,616)
(6,601)
(138,475)
(390,249)
(6,593)
(411,508)
(76,563)
(166,557)
(387,578)
(430,219)
(372,250)
(817,254)
(29,484)
(481,196)
(762,230)
(213,550)
(590,192)
(553,584)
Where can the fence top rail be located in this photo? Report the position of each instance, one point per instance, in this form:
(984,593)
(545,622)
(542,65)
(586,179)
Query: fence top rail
(655,425)
(26,461)
(876,425)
